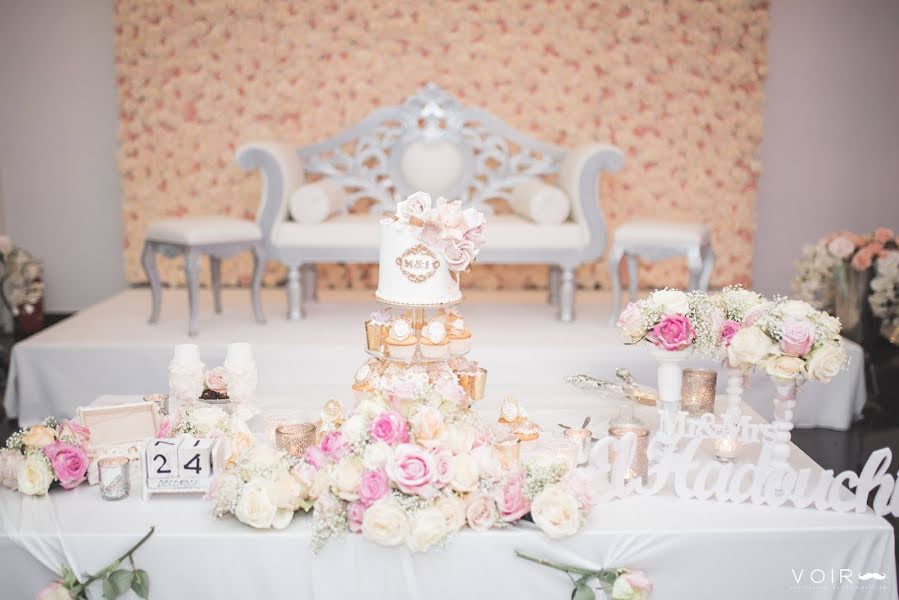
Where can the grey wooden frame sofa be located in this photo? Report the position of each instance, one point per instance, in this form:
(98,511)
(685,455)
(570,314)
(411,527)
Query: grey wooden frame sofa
(433,143)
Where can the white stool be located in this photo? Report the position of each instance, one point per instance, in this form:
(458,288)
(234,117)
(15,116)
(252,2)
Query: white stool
(655,240)
(192,237)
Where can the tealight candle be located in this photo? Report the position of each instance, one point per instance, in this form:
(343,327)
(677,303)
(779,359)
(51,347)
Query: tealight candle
(581,437)
(726,448)
(115,482)
(698,391)
(161,401)
(294,438)
(639,467)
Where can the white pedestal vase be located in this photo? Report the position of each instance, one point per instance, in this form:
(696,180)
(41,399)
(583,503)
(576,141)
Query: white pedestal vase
(186,375)
(784,405)
(670,378)
(243,378)
(734,390)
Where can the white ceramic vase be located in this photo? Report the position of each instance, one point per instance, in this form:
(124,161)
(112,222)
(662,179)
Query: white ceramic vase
(241,366)
(784,404)
(186,374)
(670,378)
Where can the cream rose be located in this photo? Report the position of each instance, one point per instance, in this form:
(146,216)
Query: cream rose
(34,476)
(356,427)
(460,438)
(672,302)
(376,455)
(464,473)
(631,323)
(489,461)
(785,367)
(254,507)
(453,510)
(346,477)
(749,347)
(427,427)
(207,418)
(428,528)
(796,310)
(385,523)
(825,362)
(321,482)
(39,436)
(556,512)
(285,491)
(283,517)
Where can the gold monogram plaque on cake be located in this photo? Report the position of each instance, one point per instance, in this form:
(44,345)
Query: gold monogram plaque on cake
(418,263)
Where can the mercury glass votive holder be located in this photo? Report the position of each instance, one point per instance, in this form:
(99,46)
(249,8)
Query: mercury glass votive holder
(115,481)
(581,437)
(639,467)
(698,391)
(294,438)
(161,401)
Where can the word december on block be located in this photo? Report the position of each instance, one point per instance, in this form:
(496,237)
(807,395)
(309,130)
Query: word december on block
(181,465)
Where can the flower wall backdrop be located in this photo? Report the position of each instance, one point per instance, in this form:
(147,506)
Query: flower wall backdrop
(677,85)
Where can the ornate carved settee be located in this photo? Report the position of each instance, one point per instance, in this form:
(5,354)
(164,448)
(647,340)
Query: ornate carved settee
(432,143)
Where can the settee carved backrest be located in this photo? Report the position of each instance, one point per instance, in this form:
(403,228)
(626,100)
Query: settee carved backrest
(430,141)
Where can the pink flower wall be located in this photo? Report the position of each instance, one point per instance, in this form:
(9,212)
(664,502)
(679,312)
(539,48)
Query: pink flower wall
(677,85)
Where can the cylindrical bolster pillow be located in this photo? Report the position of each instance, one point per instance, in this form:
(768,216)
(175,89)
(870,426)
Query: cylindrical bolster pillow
(541,203)
(314,202)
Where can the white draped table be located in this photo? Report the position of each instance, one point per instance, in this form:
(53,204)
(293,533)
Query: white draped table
(690,549)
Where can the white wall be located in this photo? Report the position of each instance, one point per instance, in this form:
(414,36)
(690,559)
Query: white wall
(58,126)
(830,153)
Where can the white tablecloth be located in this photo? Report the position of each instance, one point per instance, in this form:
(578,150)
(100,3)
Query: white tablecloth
(691,549)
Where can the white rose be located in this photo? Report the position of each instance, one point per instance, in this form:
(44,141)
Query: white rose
(54,591)
(795,310)
(749,347)
(460,438)
(206,418)
(490,463)
(556,512)
(285,491)
(34,476)
(465,473)
(355,428)
(672,302)
(453,510)
(346,477)
(385,523)
(785,367)
(321,482)
(428,528)
(632,585)
(254,506)
(415,206)
(371,407)
(376,455)
(259,458)
(826,362)
(283,517)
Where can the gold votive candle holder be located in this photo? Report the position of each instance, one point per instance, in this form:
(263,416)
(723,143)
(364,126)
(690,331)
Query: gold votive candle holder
(639,467)
(374,341)
(294,438)
(698,391)
(161,401)
(115,480)
(583,438)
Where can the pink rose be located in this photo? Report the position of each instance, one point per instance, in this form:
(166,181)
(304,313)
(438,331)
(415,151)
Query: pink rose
(355,512)
(841,247)
(9,467)
(80,435)
(510,498)
(390,427)
(632,584)
(217,380)
(883,235)
(480,512)
(334,445)
(630,321)
(69,463)
(755,314)
(315,457)
(412,469)
(443,467)
(864,258)
(474,223)
(728,330)
(54,591)
(458,254)
(165,427)
(476,235)
(798,337)
(374,486)
(673,332)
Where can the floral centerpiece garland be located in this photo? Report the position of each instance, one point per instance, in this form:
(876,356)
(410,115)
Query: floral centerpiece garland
(671,320)
(36,457)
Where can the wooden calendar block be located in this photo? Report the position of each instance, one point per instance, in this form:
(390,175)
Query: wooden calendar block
(162,458)
(195,457)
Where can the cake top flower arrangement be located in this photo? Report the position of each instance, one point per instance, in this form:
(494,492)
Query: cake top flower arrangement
(456,233)
(670,320)
(36,457)
(792,341)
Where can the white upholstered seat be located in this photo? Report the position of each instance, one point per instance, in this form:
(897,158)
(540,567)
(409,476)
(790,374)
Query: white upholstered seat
(662,232)
(196,231)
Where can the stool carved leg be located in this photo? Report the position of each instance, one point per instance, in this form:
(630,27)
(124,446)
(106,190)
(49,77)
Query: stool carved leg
(192,272)
(215,273)
(708,263)
(633,277)
(615,279)
(566,295)
(555,280)
(295,310)
(259,260)
(148,260)
(310,288)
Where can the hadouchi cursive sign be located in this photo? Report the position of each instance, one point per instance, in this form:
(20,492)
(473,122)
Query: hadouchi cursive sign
(758,483)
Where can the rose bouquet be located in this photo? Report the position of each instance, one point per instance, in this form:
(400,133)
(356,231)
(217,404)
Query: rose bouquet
(203,421)
(733,309)
(670,320)
(456,233)
(38,456)
(262,488)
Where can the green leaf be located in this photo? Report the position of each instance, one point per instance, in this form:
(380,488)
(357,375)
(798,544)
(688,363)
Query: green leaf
(121,580)
(141,583)
(109,591)
(582,591)
(68,578)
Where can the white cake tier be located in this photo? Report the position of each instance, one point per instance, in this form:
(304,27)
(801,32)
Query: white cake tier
(411,272)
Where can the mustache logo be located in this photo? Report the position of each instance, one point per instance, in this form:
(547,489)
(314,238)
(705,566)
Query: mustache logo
(876,576)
